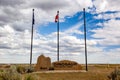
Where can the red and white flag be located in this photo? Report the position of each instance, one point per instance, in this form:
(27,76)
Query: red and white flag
(57,17)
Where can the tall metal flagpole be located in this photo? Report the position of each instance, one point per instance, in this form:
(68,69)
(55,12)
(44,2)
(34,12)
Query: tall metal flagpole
(85,40)
(58,36)
(31,40)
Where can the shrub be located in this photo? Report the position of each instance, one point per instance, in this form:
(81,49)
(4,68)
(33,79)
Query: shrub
(10,74)
(21,69)
(30,70)
(1,70)
(13,69)
(31,77)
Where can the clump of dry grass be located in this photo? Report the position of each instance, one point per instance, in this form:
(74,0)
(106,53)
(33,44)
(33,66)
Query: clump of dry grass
(21,69)
(10,74)
(16,73)
(31,77)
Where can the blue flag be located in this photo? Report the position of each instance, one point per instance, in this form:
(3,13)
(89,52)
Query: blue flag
(33,20)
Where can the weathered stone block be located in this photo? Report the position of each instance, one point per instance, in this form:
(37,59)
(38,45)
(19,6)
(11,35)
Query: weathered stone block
(43,63)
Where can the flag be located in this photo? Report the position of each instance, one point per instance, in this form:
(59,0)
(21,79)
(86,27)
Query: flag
(33,20)
(57,17)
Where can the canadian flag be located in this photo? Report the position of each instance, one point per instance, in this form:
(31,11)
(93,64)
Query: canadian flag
(57,17)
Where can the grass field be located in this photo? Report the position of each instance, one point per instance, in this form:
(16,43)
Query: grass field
(95,72)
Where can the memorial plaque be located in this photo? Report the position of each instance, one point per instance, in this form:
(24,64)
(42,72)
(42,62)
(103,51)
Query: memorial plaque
(66,65)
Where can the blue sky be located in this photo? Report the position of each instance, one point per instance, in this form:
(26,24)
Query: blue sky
(102,23)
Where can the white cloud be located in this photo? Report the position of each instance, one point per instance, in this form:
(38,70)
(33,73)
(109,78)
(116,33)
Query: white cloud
(106,5)
(109,34)
(74,29)
(107,16)
(45,10)
(15,30)
(18,43)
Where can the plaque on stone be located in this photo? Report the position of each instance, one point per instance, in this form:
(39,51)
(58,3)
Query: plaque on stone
(66,65)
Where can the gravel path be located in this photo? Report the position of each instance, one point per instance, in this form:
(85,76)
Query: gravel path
(60,71)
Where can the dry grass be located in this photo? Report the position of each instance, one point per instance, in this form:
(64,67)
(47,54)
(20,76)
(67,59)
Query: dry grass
(73,76)
(96,72)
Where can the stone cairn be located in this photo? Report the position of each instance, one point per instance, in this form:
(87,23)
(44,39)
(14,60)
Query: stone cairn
(66,65)
(43,63)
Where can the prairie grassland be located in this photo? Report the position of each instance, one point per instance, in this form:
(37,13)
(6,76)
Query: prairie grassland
(95,72)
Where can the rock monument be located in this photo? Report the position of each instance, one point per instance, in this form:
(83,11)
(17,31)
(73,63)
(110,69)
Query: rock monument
(43,63)
(66,65)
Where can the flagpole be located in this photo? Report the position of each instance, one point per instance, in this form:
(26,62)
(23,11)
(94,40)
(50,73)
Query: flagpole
(31,40)
(85,40)
(58,36)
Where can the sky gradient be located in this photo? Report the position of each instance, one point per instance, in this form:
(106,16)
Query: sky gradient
(102,23)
